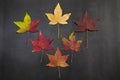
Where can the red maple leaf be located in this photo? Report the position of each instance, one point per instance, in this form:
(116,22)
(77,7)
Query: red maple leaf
(33,26)
(86,23)
(42,43)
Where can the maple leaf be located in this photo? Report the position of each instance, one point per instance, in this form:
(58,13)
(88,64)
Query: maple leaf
(42,43)
(57,60)
(57,17)
(27,25)
(86,23)
(71,44)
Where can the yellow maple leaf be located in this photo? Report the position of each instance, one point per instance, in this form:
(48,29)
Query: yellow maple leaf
(57,17)
(23,25)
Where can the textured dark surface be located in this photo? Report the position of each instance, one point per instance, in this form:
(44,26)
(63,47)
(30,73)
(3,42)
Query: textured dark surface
(101,61)
(1,37)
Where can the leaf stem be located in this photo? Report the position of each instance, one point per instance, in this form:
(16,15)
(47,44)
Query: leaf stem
(42,56)
(87,39)
(58,31)
(72,58)
(59,73)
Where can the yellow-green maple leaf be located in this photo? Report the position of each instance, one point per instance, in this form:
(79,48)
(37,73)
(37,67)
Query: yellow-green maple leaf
(23,25)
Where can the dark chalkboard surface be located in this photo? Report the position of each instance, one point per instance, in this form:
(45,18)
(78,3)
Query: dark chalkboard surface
(101,61)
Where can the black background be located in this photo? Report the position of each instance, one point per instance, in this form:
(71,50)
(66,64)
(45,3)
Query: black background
(101,61)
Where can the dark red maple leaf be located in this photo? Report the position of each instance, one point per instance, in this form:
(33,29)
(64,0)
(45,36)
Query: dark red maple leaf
(42,43)
(86,23)
(33,26)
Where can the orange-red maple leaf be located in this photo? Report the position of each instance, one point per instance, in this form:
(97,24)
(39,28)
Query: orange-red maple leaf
(71,44)
(86,23)
(42,43)
(57,60)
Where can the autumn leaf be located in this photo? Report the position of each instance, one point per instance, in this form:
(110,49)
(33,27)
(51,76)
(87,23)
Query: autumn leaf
(71,43)
(57,60)
(86,24)
(33,26)
(27,25)
(57,17)
(42,43)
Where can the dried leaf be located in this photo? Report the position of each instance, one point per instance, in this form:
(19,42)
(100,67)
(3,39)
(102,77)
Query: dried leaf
(57,60)
(71,44)
(42,43)
(27,25)
(57,17)
(86,23)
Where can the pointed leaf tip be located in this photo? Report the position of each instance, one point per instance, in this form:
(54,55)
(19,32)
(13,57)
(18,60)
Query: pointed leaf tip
(58,4)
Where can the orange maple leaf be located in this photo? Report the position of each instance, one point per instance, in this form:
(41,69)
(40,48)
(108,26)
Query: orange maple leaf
(71,44)
(57,60)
